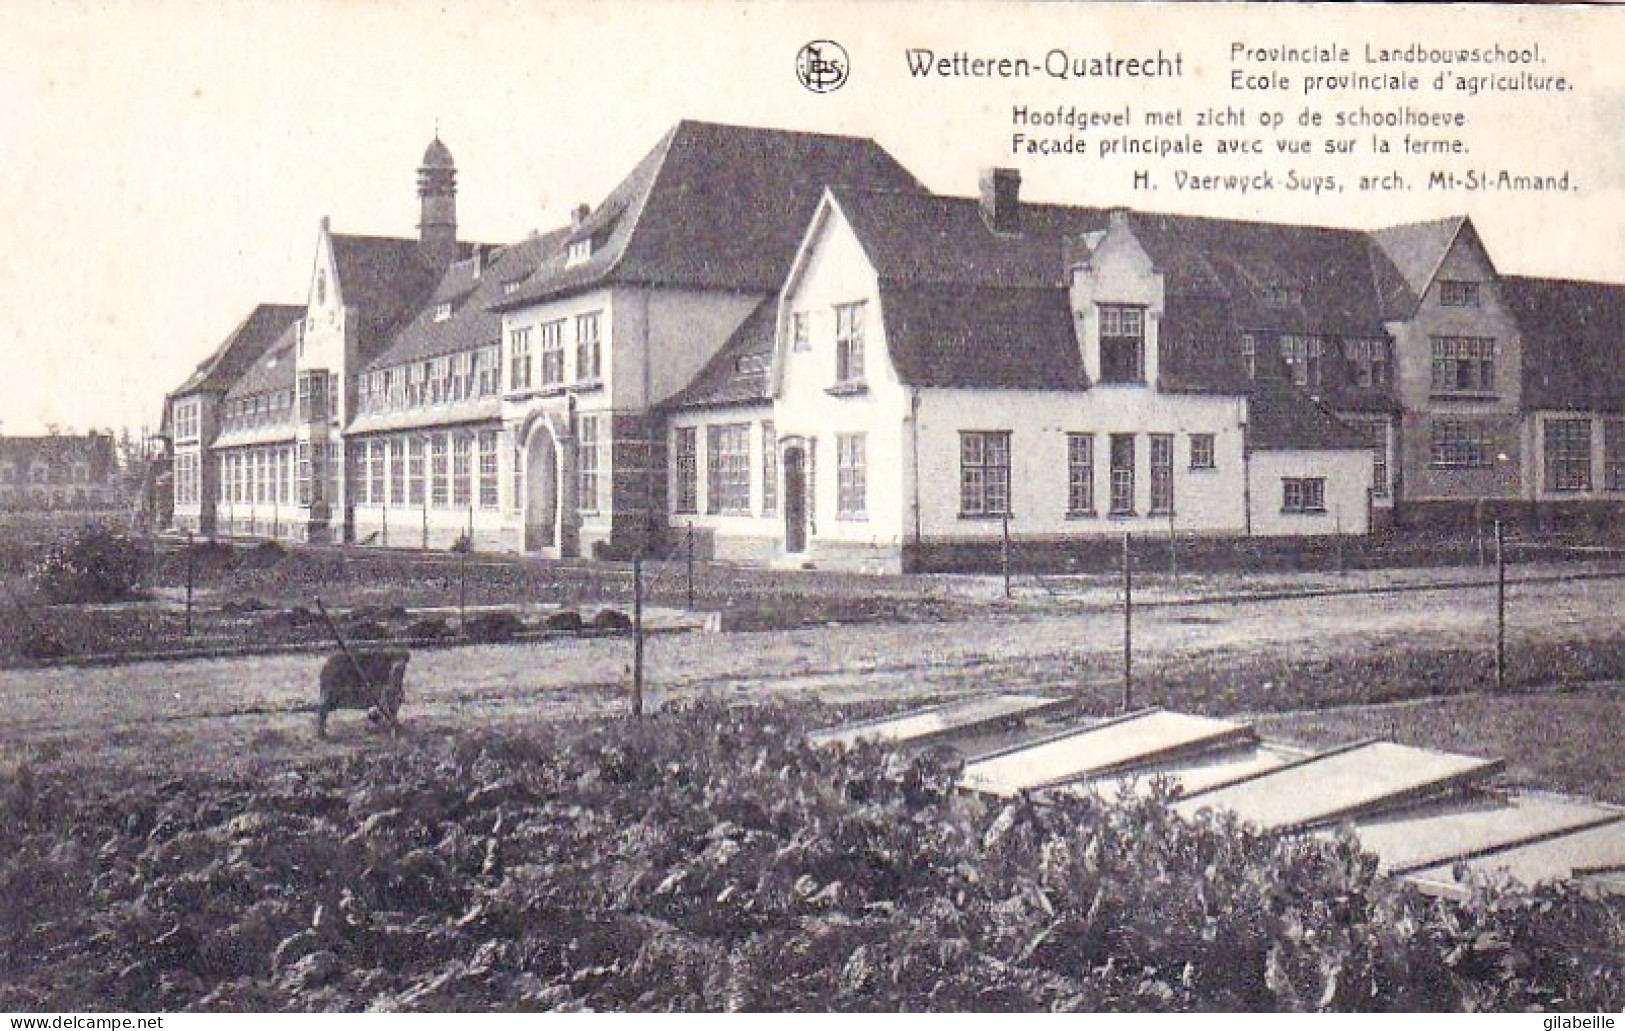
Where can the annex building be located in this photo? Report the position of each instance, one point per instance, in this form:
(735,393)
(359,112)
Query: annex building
(783,342)
(59,471)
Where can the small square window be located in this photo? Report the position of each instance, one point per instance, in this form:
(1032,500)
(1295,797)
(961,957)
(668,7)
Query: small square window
(1202,451)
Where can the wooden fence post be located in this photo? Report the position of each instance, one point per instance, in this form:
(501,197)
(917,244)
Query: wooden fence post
(1500,611)
(1128,626)
(637,635)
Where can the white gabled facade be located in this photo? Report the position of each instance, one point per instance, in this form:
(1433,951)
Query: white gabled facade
(874,472)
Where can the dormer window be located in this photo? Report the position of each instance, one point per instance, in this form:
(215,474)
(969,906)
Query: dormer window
(580,250)
(1277,296)
(1302,356)
(1371,360)
(442,311)
(511,288)
(1122,343)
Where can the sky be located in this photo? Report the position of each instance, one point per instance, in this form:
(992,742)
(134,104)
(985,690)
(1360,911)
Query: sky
(171,161)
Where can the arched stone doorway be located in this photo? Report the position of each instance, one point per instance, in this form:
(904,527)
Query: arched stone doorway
(541,488)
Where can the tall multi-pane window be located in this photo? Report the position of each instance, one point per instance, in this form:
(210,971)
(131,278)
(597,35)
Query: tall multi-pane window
(1613,454)
(439,471)
(488,469)
(517,503)
(1249,354)
(1302,356)
(1080,474)
(462,376)
(1461,444)
(552,353)
(519,358)
(1122,343)
(375,479)
(727,457)
(587,464)
(304,473)
(397,471)
(414,470)
(984,473)
(490,359)
(1162,473)
(588,347)
(770,469)
(851,476)
(849,343)
(685,452)
(1371,359)
(335,471)
(1122,473)
(799,338)
(1463,365)
(357,472)
(462,470)
(1568,454)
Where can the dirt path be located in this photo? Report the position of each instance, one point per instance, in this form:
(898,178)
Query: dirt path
(167,715)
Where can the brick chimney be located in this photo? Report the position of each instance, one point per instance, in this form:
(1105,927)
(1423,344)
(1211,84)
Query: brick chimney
(1001,199)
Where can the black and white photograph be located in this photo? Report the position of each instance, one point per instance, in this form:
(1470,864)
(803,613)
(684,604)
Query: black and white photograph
(748,507)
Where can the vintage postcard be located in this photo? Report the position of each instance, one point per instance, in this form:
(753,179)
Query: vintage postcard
(828,506)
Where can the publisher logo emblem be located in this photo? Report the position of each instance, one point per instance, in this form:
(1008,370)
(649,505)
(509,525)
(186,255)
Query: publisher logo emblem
(822,66)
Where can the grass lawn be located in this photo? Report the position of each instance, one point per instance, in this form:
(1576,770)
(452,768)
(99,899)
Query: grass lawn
(1566,741)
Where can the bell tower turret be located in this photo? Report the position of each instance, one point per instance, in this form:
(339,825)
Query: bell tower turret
(437,194)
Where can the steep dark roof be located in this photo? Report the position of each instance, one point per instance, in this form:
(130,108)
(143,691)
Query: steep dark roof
(241,348)
(1573,341)
(471,290)
(386,280)
(714,207)
(60,451)
(738,374)
(1268,275)
(1282,418)
(273,370)
(1011,338)
(1221,278)
(925,238)
(1199,347)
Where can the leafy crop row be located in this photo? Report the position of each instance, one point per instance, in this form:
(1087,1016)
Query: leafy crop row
(709,859)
